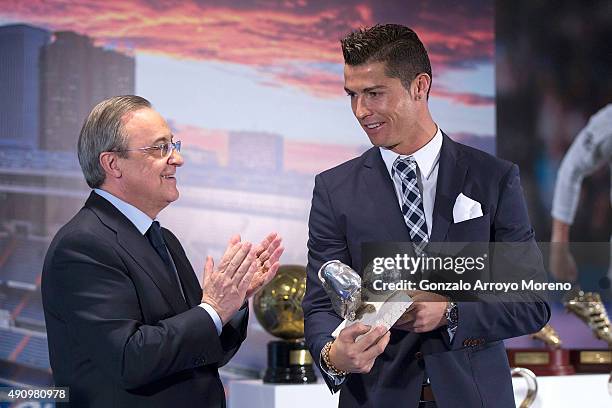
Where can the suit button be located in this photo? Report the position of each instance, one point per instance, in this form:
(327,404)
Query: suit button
(418,355)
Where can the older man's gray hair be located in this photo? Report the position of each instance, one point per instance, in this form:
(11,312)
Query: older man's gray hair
(103,132)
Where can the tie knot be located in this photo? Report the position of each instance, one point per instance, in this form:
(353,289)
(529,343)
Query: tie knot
(405,166)
(155,235)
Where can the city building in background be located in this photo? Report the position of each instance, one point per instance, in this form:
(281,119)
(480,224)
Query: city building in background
(75,75)
(20,46)
(256,151)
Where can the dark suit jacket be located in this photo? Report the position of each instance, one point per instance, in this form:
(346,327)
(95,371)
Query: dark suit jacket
(355,203)
(119,335)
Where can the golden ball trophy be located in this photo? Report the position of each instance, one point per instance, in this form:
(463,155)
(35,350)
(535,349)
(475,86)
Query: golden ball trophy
(278,308)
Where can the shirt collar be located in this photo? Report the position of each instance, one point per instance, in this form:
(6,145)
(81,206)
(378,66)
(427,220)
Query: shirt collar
(426,157)
(140,220)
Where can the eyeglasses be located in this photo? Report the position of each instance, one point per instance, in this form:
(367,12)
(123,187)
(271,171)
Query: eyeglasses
(165,149)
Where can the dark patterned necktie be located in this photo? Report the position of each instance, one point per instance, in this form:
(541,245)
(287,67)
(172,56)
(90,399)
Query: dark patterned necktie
(155,237)
(412,203)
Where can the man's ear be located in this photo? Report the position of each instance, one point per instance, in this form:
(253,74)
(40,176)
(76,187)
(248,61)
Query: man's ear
(421,86)
(110,163)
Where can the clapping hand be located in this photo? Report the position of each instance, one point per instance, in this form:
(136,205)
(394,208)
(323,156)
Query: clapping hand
(225,287)
(268,254)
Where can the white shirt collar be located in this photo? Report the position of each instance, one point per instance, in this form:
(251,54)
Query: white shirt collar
(140,220)
(426,157)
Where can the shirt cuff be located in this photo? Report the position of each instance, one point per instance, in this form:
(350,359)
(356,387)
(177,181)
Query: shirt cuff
(214,316)
(451,335)
(337,379)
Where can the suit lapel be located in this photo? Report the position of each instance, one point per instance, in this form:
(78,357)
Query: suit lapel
(379,189)
(139,248)
(451,176)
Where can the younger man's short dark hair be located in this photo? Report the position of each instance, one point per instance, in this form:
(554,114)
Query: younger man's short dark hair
(397,46)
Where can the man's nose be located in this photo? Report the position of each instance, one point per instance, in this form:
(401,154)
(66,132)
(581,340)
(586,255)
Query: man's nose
(361,108)
(176,158)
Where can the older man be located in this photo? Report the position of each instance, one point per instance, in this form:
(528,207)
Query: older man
(127,322)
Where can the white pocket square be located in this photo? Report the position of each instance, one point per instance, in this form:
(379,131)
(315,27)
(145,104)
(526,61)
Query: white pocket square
(466,209)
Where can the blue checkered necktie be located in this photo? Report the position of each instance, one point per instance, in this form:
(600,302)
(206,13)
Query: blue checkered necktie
(412,203)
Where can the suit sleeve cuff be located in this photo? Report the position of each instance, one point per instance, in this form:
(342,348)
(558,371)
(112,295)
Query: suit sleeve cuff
(214,316)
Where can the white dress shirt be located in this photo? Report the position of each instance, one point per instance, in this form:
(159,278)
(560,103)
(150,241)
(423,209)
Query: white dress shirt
(427,158)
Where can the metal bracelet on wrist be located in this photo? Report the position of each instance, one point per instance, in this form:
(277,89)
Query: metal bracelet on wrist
(328,364)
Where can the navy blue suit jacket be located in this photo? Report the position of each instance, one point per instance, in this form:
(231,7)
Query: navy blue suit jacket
(355,203)
(120,333)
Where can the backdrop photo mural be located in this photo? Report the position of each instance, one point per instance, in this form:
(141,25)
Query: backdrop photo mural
(253,89)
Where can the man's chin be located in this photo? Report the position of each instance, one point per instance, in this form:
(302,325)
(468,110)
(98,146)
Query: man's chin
(171,196)
(174,197)
(383,144)
(390,147)
(379,141)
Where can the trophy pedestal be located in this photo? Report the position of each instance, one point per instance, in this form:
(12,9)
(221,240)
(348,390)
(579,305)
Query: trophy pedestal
(542,361)
(289,362)
(592,361)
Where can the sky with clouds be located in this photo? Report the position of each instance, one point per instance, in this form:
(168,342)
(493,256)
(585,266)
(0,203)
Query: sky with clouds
(276,66)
